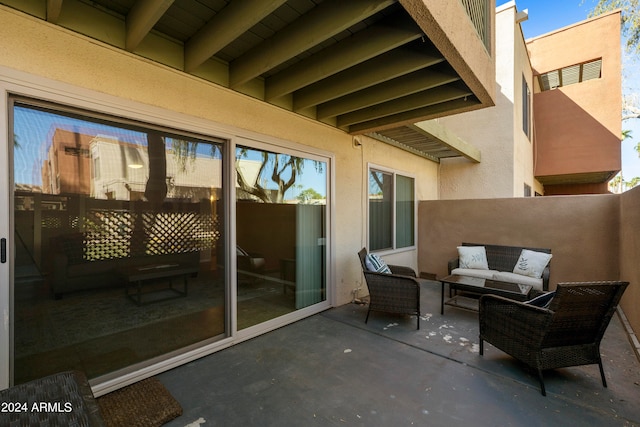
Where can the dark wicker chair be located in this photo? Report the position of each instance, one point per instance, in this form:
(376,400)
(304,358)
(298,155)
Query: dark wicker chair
(568,333)
(398,292)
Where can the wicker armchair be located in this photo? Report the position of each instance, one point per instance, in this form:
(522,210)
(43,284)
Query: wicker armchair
(398,292)
(568,333)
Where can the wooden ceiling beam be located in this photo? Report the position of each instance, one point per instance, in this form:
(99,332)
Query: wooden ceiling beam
(141,18)
(386,91)
(231,22)
(364,45)
(406,103)
(369,73)
(54,7)
(412,116)
(321,23)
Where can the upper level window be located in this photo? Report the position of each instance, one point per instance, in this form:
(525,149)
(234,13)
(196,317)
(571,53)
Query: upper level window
(526,109)
(570,75)
(391,210)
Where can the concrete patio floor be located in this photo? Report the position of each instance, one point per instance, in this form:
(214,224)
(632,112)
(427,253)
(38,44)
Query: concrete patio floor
(333,369)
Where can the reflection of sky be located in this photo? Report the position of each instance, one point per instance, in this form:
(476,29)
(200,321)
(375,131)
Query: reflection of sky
(313,174)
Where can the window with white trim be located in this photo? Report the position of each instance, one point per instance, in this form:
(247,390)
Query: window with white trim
(391,210)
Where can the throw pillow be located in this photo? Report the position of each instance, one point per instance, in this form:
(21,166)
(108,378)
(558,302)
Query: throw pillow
(375,263)
(543,300)
(473,257)
(531,263)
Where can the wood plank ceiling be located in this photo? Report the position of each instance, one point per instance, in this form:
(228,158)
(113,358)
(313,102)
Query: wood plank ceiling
(363,66)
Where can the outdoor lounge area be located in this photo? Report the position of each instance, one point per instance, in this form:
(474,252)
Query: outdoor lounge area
(385,372)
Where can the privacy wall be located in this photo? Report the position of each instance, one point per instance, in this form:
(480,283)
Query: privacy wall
(592,237)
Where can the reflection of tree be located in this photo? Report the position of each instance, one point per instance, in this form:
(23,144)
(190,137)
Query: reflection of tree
(278,167)
(377,179)
(308,195)
(184,151)
(282,169)
(154,193)
(275,165)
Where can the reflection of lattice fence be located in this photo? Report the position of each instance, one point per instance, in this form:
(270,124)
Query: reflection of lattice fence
(114,234)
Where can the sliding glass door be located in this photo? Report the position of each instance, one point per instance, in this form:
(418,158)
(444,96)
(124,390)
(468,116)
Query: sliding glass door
(122,263)
(119,242)
(281,213)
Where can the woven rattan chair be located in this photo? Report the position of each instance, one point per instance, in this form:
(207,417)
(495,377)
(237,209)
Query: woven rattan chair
(568,333)
(398,292)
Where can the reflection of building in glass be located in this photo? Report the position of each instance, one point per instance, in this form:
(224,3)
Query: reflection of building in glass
(121,170)
(84,161)
(66,168)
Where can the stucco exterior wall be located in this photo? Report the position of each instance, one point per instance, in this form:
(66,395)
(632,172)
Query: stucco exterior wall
(578,127)
(630,254)
(581,231)
(42,50)
(592,237)
(450,29)
(507,153)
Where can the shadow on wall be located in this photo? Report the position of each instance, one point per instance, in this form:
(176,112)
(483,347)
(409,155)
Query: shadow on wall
(592,237)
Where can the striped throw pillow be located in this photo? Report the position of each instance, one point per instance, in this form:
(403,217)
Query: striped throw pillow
(375,263)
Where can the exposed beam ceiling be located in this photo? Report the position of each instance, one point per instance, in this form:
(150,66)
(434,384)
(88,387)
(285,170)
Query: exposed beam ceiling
(361,65)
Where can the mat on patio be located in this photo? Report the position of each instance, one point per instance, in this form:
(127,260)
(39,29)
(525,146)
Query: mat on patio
(146,403)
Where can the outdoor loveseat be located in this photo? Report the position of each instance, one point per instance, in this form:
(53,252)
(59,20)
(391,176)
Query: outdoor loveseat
(73,272)
(504,263)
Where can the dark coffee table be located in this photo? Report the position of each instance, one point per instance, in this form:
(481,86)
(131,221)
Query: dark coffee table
(154,272)
(477,287)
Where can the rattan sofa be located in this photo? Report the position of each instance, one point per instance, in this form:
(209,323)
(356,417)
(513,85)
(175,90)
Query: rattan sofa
(504,258)
(568,333)
(398,292)
(72,272)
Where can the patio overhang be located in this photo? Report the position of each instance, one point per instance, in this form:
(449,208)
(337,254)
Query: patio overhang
(429,139)
(577,178)
(360,65)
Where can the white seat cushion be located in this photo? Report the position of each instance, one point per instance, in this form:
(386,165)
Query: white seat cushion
(505,276)
(473,272)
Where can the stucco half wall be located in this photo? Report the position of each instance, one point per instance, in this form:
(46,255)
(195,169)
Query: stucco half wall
(592,237)
(630,254)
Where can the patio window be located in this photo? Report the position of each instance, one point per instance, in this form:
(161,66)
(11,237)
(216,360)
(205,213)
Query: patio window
(391,210)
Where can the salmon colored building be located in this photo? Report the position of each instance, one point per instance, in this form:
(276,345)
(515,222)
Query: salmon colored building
(576,105)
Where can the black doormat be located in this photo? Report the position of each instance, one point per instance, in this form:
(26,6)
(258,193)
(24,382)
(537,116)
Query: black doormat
(146,403)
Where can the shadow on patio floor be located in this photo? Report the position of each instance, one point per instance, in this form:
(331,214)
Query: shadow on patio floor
(333,368)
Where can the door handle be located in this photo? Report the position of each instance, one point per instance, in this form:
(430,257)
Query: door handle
(3,250)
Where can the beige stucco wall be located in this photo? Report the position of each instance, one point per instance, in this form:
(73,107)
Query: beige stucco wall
(507,153)
(592,237)
(581,231)
(40,49)
(630,254)
(448,26)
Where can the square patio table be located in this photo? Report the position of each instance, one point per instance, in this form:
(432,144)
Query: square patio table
(478,286)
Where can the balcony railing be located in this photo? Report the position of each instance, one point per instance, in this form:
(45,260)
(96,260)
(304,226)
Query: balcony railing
(478,12)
